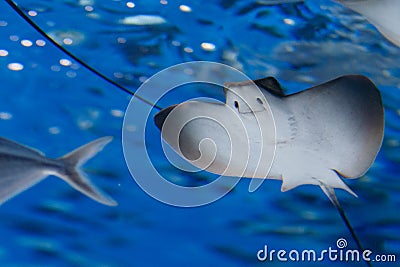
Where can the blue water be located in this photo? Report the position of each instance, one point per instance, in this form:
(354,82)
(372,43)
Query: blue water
(56,106)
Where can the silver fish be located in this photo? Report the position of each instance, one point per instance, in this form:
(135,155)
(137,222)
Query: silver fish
(21,167)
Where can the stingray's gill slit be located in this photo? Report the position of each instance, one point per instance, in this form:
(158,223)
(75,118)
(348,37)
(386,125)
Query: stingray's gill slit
(22,14)
(323,134)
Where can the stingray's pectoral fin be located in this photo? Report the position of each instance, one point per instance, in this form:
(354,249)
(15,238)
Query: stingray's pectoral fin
(72,174)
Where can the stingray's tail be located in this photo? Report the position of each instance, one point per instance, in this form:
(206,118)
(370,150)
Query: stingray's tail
(72,174)
(329,191)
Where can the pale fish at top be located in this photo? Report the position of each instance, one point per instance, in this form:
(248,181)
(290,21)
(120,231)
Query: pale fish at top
(21,167)
(383,14)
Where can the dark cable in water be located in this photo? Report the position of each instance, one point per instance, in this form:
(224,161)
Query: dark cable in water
(332,197)
(84,64)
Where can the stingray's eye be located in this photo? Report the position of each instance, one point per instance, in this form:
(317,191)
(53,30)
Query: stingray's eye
(260,101)
(236,104)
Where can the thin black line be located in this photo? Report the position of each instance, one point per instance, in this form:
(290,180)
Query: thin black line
(332,197)
(351,229)
(84,64)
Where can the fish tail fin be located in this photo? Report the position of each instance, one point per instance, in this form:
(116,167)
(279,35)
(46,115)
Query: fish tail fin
(74,176)
(330,193)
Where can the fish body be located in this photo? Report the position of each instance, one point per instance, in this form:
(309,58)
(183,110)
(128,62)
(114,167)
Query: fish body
(21,167)
(383,14)
(317,136)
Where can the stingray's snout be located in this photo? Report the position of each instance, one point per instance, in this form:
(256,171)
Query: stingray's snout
(161,116)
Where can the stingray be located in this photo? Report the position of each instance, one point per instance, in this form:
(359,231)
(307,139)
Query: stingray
(383,14)
(330,131)
(335,134)
(324,134)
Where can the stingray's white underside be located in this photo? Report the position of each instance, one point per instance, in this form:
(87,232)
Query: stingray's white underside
(306,138)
